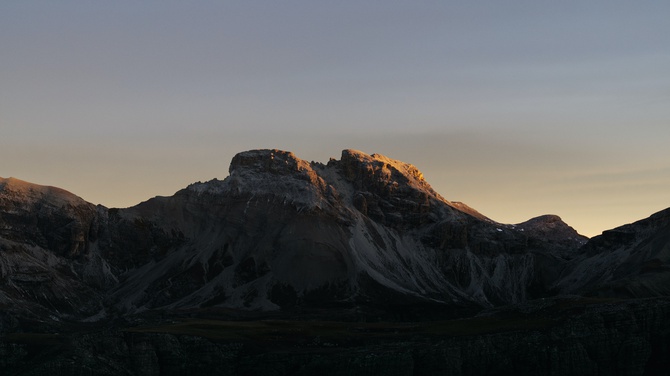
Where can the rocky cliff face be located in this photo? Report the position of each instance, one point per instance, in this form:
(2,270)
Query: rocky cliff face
(280,232)
(49,266)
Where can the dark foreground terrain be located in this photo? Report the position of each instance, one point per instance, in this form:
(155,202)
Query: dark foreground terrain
(567,336)
(289,267)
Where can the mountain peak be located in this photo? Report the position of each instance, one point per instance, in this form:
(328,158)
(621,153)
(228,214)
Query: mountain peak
(552,227)
(273,173)
(29,192)
(386,166)
(268,160)
(357,177)
(380,173)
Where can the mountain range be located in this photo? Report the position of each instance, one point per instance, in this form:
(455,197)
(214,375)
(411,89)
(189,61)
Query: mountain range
(364,237)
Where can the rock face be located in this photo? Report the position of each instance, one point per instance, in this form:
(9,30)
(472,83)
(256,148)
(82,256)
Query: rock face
(49,264)
(365,233)
(283,232)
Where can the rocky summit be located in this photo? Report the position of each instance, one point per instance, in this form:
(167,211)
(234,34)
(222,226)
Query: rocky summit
(359,239)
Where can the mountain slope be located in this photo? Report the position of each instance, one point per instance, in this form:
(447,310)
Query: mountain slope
(630,261)
(49,266)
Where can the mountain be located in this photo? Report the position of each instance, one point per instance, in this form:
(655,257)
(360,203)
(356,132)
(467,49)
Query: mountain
(278,232)
(364,237)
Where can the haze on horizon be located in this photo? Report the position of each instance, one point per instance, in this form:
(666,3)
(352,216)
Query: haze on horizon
(517,108)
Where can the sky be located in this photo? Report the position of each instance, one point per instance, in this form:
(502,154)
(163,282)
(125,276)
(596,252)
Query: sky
(517,108)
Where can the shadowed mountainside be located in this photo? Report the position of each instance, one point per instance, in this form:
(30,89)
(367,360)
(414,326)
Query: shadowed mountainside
(278,232)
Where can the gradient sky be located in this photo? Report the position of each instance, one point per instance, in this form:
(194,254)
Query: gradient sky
(517,108)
